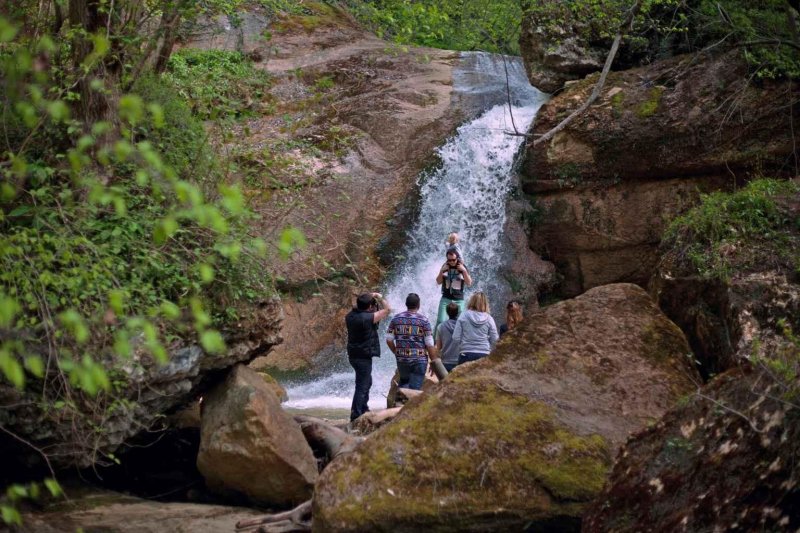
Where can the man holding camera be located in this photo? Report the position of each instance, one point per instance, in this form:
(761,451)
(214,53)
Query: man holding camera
(363,344)
(454,278)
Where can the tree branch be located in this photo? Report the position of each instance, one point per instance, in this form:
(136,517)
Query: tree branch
(626,24)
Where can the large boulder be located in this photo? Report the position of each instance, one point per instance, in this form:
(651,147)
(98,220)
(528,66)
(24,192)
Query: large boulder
(606,186)
(725,461)
(81,434)
(524,437)
(250,446)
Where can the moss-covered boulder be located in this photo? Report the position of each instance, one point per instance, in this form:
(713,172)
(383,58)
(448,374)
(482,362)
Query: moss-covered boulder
(523,438)
(724,461)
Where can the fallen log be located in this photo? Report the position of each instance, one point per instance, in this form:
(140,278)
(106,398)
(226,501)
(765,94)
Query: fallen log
(326,441)
(372,420)
(439,369)
(299,517)
(404,395)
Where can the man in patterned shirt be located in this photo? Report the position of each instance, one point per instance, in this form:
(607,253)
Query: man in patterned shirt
(410,338)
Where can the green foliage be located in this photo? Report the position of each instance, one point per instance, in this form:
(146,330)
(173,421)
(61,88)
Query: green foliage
(492,25)
(182,139)
(17,493)
(665,27)
(217,83)
(744,21)
(108,249)
(783,366)
(731,232)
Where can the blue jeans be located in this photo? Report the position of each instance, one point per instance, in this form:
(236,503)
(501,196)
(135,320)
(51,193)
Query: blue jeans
(466,357)
(412,375)
(363,368)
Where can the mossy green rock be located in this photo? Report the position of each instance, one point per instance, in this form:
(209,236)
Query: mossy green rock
(524,438)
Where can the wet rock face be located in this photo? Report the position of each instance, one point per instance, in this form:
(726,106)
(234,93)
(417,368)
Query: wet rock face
(149,391)
(607,185)
(523,438)
(727,464)
(249,446)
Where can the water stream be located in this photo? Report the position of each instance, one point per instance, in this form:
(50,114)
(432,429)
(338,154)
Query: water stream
(467,193)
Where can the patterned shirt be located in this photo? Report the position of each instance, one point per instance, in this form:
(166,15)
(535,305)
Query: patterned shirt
(411,333)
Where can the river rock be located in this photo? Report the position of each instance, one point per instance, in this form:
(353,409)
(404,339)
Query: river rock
(606,186)
(523,438)
(109,511)
(725,461)
(145,391)
(249,445)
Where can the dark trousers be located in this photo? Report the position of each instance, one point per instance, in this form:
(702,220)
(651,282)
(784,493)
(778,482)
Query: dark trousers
(412,375)
(466,357)
(363,368)
(450,366)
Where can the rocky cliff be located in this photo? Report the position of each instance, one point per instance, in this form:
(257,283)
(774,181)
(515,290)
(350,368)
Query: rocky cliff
(605,186)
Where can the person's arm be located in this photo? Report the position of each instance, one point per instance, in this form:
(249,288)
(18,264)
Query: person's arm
(390,344)
(439,337)
(429,346)
(467,278)
(377,316)
(440,276)
(493,336)
(457,333)
(390,338)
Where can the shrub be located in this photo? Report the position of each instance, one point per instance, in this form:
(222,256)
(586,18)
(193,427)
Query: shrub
(217,83)
(730,232)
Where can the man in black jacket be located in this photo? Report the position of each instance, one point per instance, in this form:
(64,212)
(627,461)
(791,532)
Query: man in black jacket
(363,344)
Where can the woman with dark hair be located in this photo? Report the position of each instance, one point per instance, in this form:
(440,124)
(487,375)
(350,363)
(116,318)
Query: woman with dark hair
(513,317)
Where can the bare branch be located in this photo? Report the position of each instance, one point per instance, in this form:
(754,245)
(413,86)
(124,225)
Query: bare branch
(626,25)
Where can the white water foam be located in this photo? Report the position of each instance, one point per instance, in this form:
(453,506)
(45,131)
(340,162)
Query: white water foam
(467,194)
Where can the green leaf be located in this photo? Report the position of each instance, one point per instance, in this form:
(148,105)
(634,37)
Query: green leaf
(10,515)
(291,238)
(131,108)
(212,341)
(170,310)
(74,323)
(116,300)
(35,365)
(17,492)
(206,273)
(58,110)
(157,112)
(11,368)
(7,31)
(165,229)
(8,310)
(53,486)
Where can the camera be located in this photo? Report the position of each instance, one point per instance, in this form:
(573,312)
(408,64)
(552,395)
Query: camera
(376,304)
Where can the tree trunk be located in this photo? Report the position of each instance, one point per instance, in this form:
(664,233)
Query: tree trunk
(85,15)
(168,39)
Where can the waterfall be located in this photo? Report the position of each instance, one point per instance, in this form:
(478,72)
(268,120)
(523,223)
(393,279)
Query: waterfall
(467,193)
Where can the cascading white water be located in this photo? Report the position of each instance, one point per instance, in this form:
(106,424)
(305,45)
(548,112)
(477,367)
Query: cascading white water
(467,194)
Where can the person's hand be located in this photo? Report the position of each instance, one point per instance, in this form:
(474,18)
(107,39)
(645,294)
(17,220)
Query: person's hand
(377,296)
(430,371)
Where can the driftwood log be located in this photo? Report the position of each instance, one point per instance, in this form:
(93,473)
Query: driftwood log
(297,519)
(439,369)
(326,441)
(372,420)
